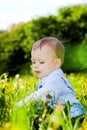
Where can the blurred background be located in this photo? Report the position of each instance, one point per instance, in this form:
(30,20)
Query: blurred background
(22,22)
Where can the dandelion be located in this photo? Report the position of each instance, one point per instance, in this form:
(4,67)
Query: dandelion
(15,84)
(17,76)
(2,81)
(21,87)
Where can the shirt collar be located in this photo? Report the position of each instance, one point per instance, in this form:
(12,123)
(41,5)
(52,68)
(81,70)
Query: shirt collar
(57,71)
(50,77)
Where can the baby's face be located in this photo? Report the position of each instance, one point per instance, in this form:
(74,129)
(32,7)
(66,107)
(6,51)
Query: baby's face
(43,61)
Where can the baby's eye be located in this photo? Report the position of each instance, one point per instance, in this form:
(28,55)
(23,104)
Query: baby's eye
(33,62)
(42,62)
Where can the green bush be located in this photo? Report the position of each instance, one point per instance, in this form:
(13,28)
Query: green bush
(75,58)
(69,25)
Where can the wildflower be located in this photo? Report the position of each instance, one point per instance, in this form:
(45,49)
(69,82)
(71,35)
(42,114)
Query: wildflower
(2,81)
(17,76)
(21,87)
(50,129)
(59,108)
(56,117)
(15,84)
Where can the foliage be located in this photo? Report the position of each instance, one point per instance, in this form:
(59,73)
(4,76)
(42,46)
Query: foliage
(75,58)
(73,24)
(69,25)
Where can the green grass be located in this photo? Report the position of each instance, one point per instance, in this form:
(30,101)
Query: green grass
(28,116)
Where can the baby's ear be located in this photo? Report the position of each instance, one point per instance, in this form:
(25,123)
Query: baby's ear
(57,63)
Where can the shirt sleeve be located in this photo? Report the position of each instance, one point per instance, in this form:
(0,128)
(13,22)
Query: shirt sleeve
(39,94)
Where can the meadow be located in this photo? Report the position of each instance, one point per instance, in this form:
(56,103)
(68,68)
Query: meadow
(35,115)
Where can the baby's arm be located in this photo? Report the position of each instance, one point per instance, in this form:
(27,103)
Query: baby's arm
(35,96)
(21,102)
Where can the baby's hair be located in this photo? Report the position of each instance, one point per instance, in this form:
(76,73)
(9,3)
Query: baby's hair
(52,42)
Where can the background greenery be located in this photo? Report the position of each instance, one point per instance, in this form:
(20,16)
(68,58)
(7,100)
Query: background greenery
(69,25)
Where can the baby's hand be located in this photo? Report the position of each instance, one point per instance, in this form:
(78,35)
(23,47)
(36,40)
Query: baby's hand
(20,103)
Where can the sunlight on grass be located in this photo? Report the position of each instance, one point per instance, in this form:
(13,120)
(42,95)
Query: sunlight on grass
(36,114)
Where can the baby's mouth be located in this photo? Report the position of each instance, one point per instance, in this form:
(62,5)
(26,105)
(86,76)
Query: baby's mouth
(37,72)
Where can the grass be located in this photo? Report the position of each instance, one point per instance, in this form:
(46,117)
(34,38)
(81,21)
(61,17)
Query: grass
(35,115)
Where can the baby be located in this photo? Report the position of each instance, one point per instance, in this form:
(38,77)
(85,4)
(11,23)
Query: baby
(47,57)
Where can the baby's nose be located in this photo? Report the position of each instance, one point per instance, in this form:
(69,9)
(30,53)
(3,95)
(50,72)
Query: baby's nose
(36,65)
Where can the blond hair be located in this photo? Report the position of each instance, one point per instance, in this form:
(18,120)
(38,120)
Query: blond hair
(52,42)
